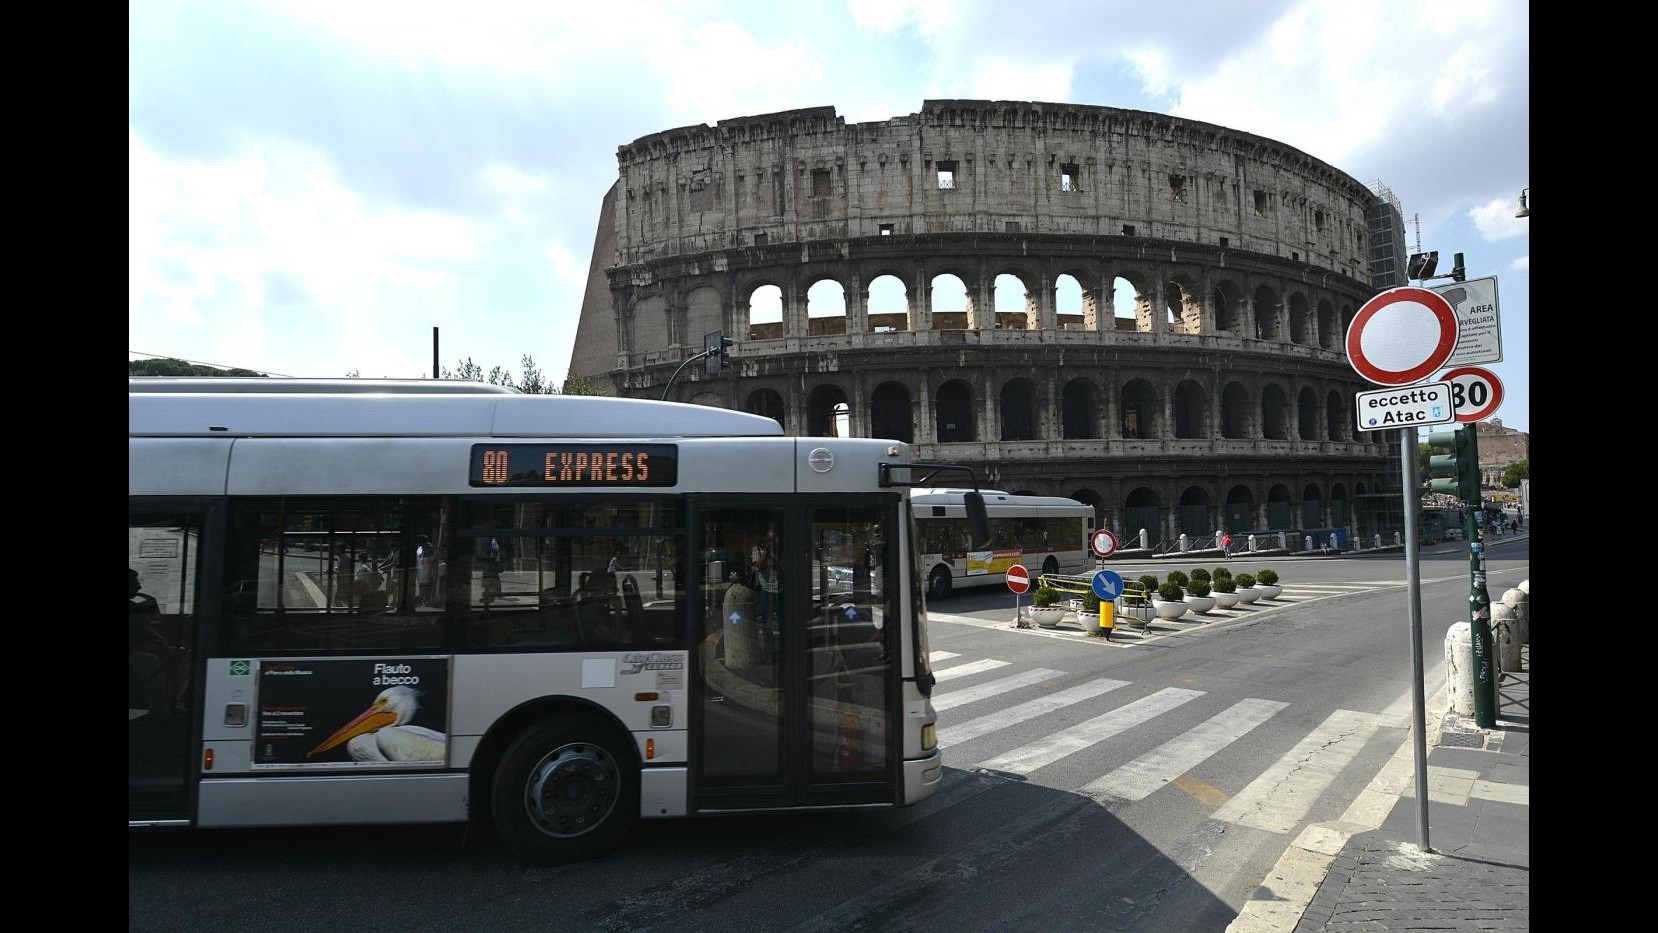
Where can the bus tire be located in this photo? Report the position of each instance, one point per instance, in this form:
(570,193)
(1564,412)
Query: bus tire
(1050,566)
(938,583)
(567,789)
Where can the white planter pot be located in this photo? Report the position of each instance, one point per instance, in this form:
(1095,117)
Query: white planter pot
(1269,590)
(1200,604)
(1165,610)
(1047,616)
(1248,594)
(1225,600)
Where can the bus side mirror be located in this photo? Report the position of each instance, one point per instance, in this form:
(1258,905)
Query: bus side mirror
(978,520)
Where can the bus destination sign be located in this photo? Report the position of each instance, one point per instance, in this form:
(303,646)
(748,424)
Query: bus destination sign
(573,465)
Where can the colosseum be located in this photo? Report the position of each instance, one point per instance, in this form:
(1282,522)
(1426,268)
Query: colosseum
(1142,312)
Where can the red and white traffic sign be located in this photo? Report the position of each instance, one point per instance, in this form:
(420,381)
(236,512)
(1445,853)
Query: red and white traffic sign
(1104,543)
(1018,578)
(1475,392)
(1401,336)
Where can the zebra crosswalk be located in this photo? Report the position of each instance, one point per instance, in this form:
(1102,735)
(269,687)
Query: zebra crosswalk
(1016,724)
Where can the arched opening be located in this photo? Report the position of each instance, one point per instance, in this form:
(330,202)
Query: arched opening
(1077,409)
(1139,410)
(1338,506)
(889,305)
(1091,498)
(826,308)
(765,313)
(1142,509)
(1328,337)
(1312,507)
(1188,411)
(1018,424)
(1266,314)
(955,412)
(1275,414)
(828,414)
(1300,321)
(1240,509)
(1234,411)
(1014,303)
(1125,305)
(1306,405)
(1193,517)
(1184,311)
(1074,310)
(1278,508)
(1335,416)
(768,403)
(1347,313)
(889,412)
(1228,308)
(952,305)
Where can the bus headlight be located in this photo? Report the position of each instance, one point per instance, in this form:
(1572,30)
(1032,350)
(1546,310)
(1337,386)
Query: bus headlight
(929,737)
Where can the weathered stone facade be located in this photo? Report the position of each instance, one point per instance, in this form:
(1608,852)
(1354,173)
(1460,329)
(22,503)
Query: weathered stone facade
(1225,399)
(1499,447)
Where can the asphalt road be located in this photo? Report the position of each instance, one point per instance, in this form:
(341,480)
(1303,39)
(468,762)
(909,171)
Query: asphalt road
(1089,786)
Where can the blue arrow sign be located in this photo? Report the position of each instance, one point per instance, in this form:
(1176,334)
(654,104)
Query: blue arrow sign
(851,613)
(1108,584)
(735,617)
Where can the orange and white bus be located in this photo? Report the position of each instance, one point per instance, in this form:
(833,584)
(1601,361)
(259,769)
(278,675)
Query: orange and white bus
(1045,534)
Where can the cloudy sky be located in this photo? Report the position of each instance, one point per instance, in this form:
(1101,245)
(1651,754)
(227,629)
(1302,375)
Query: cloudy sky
(316,185)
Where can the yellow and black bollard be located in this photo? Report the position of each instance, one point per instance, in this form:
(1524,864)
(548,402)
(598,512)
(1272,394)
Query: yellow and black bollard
(1108,616)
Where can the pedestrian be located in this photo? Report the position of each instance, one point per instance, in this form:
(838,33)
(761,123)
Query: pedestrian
(425,556)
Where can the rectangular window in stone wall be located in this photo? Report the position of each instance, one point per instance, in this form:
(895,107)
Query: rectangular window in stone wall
(1070,177)
(1177,187)
(702,196)
(820,183)
(1260,202)
(946,175)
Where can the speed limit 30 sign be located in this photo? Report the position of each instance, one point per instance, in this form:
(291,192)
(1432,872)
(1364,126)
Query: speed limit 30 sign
(1475,393)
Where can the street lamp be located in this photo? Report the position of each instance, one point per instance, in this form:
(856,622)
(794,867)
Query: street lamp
(1524,211)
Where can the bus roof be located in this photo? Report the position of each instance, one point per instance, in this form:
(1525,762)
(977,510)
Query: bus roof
(992,497)
(300,412)
(267,386)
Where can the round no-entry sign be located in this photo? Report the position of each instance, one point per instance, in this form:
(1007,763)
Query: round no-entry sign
(1104,543)
(1402,336)
(1475,392)
(1018,578)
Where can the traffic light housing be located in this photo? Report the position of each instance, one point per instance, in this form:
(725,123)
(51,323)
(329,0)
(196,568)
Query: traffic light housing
(1459,271)
(717,346)
(1461,468)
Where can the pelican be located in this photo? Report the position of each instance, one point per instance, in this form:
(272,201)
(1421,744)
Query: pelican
(379,734)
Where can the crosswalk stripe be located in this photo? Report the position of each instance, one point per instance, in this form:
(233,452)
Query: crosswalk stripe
(937,656)
(1278,799)
(1068,742)
(1144,775)
(1030,709)
(972,667)
(954,698)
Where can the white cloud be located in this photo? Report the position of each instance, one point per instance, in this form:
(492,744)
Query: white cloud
(1495,219)
(1001,79)
(1522,264)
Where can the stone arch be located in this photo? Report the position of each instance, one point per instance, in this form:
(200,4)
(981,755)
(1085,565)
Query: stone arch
(1275,413)
(1234,412)
(1077,410)
(651,330)
(1185,303)
(1015,301)
(826,308)
(1073,305)
(1328,337)
(890,412)
(1143,509)
(1140,410)
(707,399)
(1018,410)
(890,306)
(1091,498)
(1338,506)
(1266,314)
(704,313)
(828,412)
(952,301)
(1278,508)
(1240,510)
(1230,312)
(1192,517)
(1335,416)
(1306,405)
(1302,326)
(1347,313)
(1190,410)
(768,403)
(955,412)
(1130,303)
(764,302)
(1312,507)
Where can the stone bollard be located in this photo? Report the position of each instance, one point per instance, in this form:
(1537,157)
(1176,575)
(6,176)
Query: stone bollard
(1505,629)
(1459,668)
(1307,542)
(1252,543)
(1398,538)
(1521,604)
(1184,542)
(1378,539)
(1525,587)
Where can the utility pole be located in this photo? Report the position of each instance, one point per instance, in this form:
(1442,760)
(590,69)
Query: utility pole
(434,353)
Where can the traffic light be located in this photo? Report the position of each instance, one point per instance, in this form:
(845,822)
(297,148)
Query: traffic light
(1422,265)
(1459,272)
(1461,467)
(717,346)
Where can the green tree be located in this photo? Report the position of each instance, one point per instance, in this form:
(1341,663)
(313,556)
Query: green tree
(532,382)
(1516,471)
(166,366)
(581,385)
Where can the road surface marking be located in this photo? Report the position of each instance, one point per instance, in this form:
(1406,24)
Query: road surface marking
(1144,775)
(1083,735)
(972,667)
(1001,719)
(955,698)
(1278,799)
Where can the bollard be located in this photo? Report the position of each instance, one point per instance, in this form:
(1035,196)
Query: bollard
(1335,543)
(1183,541)
(1307,544)
(1144,538)
(1378,539)
(1252,544)
(1459,673)
(1398,538)
(1525,587)
(1108,616)
(1521,604)
(1504,625)
(1283,541)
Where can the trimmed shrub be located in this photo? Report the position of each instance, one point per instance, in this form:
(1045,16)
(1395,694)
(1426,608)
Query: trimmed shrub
(1221,573)
(1267,576)
(1149,582)
(1044,596)
(1200,574)
(1090,602)
(1246,580)
(1198,588)
(1226,585)
(1178,578)
(1170,593)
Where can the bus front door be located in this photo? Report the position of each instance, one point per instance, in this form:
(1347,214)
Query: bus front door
(797,660)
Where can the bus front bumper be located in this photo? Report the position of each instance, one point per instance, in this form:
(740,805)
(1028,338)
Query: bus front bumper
(922,776)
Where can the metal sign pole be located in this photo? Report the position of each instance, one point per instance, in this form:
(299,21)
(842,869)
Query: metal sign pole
(1418,703)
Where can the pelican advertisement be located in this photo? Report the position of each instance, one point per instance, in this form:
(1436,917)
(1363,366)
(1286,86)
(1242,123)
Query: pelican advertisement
(338,713)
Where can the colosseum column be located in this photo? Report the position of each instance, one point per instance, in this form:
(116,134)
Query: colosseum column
(857,309)
(1109,392)
(1168,414)
(1207,311)
(926,421)
(794,310)
(1053,426)
(921,312)
(1047,315)
(1093,299)
(796,415)
(989,392)
(981,302)
(1322,428)
(858,417)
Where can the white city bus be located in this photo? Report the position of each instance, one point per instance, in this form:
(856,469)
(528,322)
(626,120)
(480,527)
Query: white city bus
(352,603)
(1046,534)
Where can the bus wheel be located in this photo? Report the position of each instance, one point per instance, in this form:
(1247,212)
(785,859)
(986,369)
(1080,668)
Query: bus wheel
(1050,566)
(567,789)
(938,585)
